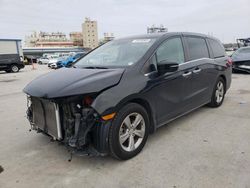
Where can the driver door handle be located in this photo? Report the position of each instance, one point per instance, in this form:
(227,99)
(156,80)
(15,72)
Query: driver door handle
(187,74)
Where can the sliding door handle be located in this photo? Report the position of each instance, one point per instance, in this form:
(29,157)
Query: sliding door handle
(196,71)
(187,74)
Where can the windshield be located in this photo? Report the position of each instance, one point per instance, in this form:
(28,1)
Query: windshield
(244,50)
(117,53)
(241,51)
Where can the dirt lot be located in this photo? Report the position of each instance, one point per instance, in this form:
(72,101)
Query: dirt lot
(207,148)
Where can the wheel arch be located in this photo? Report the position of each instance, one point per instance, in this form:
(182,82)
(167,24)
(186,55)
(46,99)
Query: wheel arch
(14,64)
(225,80)
(145,104)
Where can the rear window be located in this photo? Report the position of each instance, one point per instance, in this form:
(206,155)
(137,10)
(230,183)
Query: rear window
(197,48)
(217,48)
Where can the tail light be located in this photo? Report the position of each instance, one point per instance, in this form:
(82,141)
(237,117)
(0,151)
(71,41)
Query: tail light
(229,62)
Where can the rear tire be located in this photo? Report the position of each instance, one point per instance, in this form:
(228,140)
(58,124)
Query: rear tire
(14,68)
(218,93)
(129,131)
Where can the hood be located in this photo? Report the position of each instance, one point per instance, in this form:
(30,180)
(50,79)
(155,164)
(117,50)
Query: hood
(73,81)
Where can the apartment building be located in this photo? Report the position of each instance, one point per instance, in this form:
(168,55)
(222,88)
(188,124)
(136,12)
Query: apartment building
(90,34)
(47,39)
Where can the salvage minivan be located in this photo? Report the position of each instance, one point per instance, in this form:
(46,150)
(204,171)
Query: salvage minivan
(112,98)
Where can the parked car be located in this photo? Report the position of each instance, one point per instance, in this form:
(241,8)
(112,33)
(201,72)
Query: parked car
(110,105)
(53,59)
(43,60)
(54,63)
(70,60)
(241,60)
(11,55)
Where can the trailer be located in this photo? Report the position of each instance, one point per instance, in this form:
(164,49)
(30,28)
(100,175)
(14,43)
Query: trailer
(11,55)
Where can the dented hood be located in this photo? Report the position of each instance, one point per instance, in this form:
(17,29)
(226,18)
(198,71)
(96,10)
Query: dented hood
(73,81)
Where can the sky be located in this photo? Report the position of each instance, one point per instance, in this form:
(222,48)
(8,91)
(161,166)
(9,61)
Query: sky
(224,19)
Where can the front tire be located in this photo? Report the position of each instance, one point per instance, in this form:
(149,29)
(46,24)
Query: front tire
(218,93)
(129,131)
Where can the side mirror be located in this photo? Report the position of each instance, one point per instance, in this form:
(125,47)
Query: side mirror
(165,67)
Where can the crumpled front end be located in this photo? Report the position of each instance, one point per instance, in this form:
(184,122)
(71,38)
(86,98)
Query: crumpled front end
(242,65)
(71,121)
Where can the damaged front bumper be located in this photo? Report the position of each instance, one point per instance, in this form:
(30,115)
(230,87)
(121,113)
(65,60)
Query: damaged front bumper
(78,127)
(242,66)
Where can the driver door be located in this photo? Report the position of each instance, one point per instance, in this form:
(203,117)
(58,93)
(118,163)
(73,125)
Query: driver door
(170,91)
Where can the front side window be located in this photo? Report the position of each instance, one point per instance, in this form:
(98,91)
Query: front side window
(117,53)
(197,48)
(170,51)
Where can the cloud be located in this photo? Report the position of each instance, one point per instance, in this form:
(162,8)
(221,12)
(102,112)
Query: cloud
(226,20)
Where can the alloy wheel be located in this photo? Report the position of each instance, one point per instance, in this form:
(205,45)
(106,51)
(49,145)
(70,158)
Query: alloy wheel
(132,131)
(219,93)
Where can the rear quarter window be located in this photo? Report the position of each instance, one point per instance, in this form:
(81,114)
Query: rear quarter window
(197,48)
(217,48)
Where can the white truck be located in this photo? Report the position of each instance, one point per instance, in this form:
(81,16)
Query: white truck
(11,55)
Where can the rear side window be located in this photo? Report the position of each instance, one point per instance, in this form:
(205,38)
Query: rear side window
(197,48)
(217,48)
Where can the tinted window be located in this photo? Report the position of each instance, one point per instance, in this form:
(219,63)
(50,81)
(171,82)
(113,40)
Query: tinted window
(197,48)
(217,48)
(170,51)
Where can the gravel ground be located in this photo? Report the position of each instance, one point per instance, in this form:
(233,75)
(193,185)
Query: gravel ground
(206,148)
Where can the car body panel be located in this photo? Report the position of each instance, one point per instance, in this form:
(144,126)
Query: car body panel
(168,105)
(7,60)
(43,60)
(70,60)
(241,61)
(165,96)
(78,81)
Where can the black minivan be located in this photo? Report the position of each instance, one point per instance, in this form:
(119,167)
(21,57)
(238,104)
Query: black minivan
(112,98)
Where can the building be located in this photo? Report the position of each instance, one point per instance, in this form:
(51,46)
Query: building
(107,37)
(76,38)
(31,39)
(155,29)
(36,52)
(90,34)
(46,39)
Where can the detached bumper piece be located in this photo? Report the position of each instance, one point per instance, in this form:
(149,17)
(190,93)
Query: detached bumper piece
(70,123)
